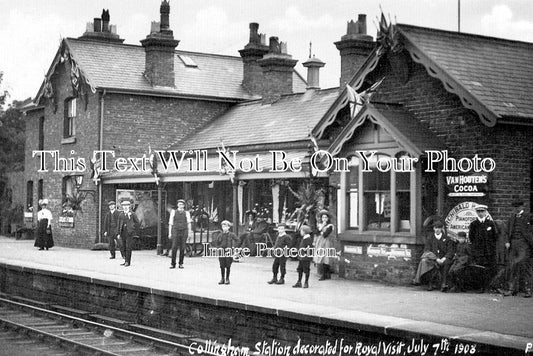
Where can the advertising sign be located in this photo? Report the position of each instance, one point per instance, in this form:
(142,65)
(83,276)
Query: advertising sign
(460,217)
(467,185)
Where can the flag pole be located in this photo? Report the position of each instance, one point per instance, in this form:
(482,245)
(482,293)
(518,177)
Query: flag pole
(458,15)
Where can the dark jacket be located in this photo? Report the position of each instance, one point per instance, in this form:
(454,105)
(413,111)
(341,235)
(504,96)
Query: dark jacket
(520,228)
(282,241)
(111,222)
(444,247)
(303,254)
(483,236)
(128,227)
(227,240)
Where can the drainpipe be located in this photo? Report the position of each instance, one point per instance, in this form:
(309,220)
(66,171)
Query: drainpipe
(100,147)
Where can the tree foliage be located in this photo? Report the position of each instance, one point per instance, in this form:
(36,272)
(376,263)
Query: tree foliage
(11,136)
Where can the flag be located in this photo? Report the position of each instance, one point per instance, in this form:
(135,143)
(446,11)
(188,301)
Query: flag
(95,165)
(152,161)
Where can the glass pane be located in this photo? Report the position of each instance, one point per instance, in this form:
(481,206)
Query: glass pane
(378,210)
(404,209)
(354,208)
(402,181)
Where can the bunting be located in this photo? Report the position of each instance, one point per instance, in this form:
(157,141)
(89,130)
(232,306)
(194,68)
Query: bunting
(152,161)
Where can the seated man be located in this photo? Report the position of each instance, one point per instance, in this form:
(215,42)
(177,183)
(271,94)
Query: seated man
(436,259)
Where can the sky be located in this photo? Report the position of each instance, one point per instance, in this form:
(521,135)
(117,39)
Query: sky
(31,30)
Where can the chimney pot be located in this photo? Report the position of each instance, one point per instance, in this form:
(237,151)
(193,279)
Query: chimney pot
(362,24)
(97,24)
(155,27)
(283,47)
(254,36)
(274,45)
(105,20)
(165,13)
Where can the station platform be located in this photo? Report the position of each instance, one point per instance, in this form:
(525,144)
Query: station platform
(488,319)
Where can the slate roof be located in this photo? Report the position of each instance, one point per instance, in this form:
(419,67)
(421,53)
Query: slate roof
(120,66)
(497,72)
(289,119)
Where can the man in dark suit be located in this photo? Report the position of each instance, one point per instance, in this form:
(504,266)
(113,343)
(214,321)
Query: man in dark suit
(128,227)
(443,248)
(482,234)
(521,244)
(111,228)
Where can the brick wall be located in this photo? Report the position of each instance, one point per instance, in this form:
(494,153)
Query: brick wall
(86,140)
(131,124)
(464,135)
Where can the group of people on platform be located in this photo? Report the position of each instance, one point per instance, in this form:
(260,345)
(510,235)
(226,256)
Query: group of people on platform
(121,227)
(452,263)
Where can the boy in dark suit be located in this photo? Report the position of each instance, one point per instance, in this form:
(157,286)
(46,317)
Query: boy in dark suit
(282,240)
(304,256)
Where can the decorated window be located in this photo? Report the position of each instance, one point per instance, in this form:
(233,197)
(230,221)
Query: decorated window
(378,200)
(69,127)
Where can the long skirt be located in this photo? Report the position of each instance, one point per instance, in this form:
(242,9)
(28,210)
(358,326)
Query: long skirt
(321,246)
(427,264)
(44,238)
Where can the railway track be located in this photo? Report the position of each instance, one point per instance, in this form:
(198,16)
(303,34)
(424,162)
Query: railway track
(52,332)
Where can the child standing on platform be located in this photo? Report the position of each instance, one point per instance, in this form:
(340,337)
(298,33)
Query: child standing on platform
(282,240)
(304,256)
(226,240)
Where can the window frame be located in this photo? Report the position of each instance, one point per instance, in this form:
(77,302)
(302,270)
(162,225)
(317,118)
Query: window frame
(69,121)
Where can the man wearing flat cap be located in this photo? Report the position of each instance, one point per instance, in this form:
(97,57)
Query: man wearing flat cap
(111,228)
(482,235)
(521,245)
(179,225)
(128,227)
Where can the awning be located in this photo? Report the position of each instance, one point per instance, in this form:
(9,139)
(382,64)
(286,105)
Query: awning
(406,130)
(203,166)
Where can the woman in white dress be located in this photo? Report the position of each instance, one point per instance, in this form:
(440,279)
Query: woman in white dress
(44,238)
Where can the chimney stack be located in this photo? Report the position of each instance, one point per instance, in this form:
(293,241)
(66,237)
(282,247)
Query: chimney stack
(354,48)
(252,78)
(159,47)
(278,68)
(100,30)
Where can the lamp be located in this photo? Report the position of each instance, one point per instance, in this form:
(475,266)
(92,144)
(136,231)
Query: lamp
(78,180)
